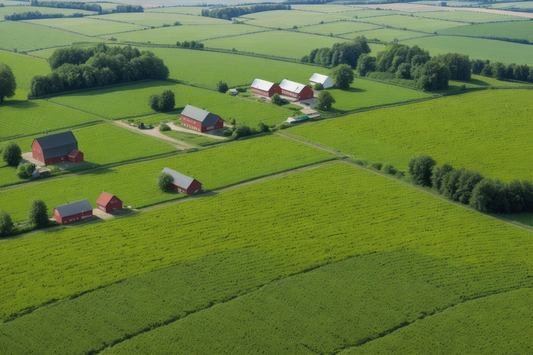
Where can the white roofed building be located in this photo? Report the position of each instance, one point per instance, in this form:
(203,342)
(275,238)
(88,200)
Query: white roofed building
(325,80)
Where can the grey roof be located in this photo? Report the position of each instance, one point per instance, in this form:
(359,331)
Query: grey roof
(73,208)
(207,118)
(262,84)
(56,145)
(178,178)
(291,86)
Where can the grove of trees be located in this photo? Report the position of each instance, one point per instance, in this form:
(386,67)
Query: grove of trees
(164,102)
(8,84)
(35,15)
(342,76)
(340,53)
(502,71)
(68,5)
(227,13)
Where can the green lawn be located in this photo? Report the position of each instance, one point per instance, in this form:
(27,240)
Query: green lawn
(28,37)
(492,136)
(24,68)
(470,16)
(338,28)
(519,30)
(156,19)
(413,23)
(87,26)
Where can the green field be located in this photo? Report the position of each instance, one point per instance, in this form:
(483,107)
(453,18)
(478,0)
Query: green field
(191,10)
(389,35)
(191,138)
(287,19)
(157,20)
(322,8)
(470,16)
(28,37)
(412,255)
(413,23)
(37,116)
(132,101)
(87,26)
(10,10)
(451,130)
(362,14)
(24,68)
(136,184)
(478,81)
(519,30)
(518,4)
(169,35)
(494,324)
(278,43)
(476,48)
(338,28)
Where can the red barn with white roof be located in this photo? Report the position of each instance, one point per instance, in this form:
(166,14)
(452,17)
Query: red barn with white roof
(296,90)
(265,88)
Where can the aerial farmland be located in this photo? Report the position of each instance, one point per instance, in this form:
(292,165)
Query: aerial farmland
(176,179)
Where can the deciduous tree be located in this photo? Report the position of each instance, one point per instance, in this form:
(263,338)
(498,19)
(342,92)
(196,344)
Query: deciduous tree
(12,154)
(38,214)
(8,84)
(342,76)
(420,169)
(6,224)
(325,100)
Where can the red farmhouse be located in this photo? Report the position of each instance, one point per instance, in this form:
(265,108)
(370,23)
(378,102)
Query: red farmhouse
(297,90)
(182,183)
(200,120)
(56,148)
(73,212)
(265,88)
(108,203)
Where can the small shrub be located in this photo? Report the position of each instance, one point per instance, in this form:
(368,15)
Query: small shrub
(164,127)
(360,162)
(377,166)
(141,125)
(12,154)
(6,224)
(389,169)
(222,87)
(37,214)
(25,171)
(163,181)
(284,125)
(177,23)
(241,89)
(318,86)
(276,100)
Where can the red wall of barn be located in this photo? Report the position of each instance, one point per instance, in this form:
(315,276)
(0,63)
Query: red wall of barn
(190,123)
(77,159)
(195,186)
(260,92)
(275,89)
(37,151)
(110,207)
(306,93)
(218,125)
(78,217)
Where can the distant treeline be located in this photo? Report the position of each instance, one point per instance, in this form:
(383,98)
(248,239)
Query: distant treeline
(35,15)
(501,71)
(190,45)
(129,8)
(77,68)
(340,53)
(67,5)
(307,1)
(227,13)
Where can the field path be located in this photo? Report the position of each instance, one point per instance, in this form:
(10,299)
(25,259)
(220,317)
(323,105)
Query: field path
(181,129)
(155,133)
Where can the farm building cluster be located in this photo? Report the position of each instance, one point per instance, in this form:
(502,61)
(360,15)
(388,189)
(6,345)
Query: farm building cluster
(82,210)
(290,88)
(56,148)
(200,120)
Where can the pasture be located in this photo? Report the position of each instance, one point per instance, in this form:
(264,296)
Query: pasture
(362,14)
(451,130)
(191,138)
(186,10)
(410,254)
(338,28)
(286,19)
(326,8)
(470,16)
(10,10)
(410,23)
(518,29)
(388,34)
(136,184)
(28,37)
(476,48)
(24,68)
(132,101)
(88,26)
(150,19)
(518,4)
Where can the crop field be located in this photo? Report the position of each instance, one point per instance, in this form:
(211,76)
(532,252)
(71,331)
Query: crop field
(156,19)
(518,4)
(470,16)
(27,37)
(287,19)
(24,68)
(8,175)
(87,26)
(132,101)
(362,14)
(277,43)
(37,116)
(10,10)
(499,322)
(518,29)
(135,183)
(410,254)
(191,138)
(479,81)
(410,23)
(388,34)
(339,28)
(476,48)
(450,129)
(327,8)
(187,10)
(169,35)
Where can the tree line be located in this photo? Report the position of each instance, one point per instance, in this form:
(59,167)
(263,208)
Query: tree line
(340,53)
(227,13)
(472,188)
(35,15)
(76,68)
(190,45)
(129,8)
(68,5)
(501,71)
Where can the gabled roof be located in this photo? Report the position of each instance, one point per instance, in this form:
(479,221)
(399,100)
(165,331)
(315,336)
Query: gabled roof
(74,208)
(179,179)
(58,144)
(74,153)
(291,86)
(197,114)
(319,78)
(104,198)
(262,84)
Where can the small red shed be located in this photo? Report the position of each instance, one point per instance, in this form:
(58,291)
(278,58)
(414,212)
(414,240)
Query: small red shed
(200,120)
(73,212)
(265,88)
(296,90)
(75,156)
(184,184)
(108,203)
(56,148)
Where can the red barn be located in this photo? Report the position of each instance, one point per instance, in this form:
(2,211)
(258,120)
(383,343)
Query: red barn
(73,212)
(56,148)
(296,90)
(200,120)
(182,183)
(265,88)
(108,203)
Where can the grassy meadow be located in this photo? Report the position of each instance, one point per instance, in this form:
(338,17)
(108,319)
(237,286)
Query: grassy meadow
(10,10)
(453,130)
(24,68)
(194,139)
(388,35)
(470,16)
(518,29)
(87,26)
(155,19)
(410,23)
(410,254)
(186,10)
(287,19)
(338,28)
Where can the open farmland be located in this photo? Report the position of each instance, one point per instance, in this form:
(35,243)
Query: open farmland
(410,23)
(409,250)
(191,138)
(157,20)
(519,30)
(87,26)
(517,4)
(338,28)
(388,35)
(136,183)
(24,68)
(10,10)
(499,322)
(470,16)
(287,19)
(451,130)
(323,8)
(187,10)
(28,37)
(132,101)
(362,14)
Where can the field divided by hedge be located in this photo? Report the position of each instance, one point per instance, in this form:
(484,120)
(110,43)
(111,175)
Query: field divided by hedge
(87,26)
(415,255)
(488,131)
(410,23)
(135,184)
(157,19)
(24,68)
(518,30)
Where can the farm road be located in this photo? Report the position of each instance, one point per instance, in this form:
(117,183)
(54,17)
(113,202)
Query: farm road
(155,133)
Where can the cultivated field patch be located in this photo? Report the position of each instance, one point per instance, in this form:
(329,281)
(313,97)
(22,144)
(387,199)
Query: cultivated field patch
(389,35)
(10,10)
(87,26)
(361,14)
(337,28)
(186,10)
(322,8)
(24,68)
(411,23)
(286,19)
(518,29)
(470,16)
(156,19)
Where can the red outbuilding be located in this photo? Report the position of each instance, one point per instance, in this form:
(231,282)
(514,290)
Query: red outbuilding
(56,148)
(73,212)
(265,88)
(182,183)
(200,120)
(296,90)
(108,203)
